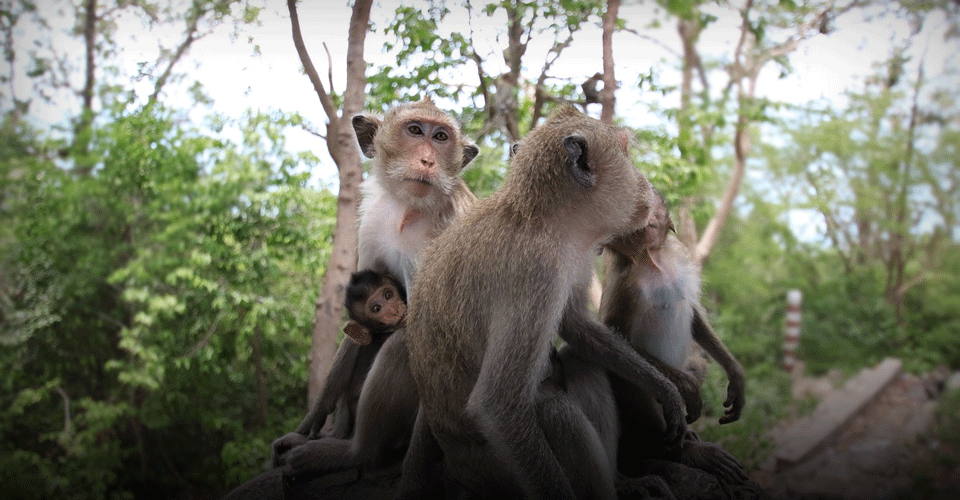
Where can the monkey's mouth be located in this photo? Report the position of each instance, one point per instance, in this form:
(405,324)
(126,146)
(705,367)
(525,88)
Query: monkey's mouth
(418,180)
(418,187)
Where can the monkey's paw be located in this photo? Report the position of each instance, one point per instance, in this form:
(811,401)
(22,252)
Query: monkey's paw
(643,488)
(283,444)
(734,403)
(672,406)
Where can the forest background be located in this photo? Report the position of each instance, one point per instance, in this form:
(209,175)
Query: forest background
(172,250)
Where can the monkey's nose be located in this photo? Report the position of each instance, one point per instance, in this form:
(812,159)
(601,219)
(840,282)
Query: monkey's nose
(426,163)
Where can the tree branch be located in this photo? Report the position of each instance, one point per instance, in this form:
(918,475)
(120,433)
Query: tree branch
(325,100)
(181,50)
(608,96)
(67,421)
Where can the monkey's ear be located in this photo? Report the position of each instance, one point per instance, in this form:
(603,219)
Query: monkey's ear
(513,149)
(357,332)
(576,147)
(366,128)
(470,151)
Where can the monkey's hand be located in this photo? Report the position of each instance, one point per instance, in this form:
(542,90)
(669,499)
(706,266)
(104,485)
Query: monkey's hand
(283,444)
(690,391)
(735,399)
(650,487)
(672,404)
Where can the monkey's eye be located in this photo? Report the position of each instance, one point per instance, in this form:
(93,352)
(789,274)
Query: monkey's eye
(414,129)
(441,136)
(388,294)
(375,308)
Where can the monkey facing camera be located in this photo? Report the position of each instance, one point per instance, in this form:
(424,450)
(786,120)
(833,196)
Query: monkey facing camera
(412,193)
(414,189)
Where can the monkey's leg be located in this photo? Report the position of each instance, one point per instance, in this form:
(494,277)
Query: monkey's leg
(642,422)
(589,387)
(338,380)
(421,476)
(577,446)
(342,422)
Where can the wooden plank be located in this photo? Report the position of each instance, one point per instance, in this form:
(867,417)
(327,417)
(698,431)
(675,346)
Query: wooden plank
(811,433)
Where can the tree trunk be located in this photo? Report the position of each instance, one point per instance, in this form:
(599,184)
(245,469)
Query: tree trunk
(342,145)
(608,98)
(689,31)
(82,131)
(263,397)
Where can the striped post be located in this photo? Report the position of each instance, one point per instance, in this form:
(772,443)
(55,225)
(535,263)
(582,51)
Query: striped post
(791,337)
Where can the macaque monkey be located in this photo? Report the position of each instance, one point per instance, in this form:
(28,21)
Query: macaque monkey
(376,304)
(413,191)
(492,294)
(652,296)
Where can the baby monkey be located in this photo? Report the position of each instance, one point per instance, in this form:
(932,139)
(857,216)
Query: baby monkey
(376,303)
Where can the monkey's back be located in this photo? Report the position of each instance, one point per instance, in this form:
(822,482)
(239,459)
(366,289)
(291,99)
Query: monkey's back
(450,329)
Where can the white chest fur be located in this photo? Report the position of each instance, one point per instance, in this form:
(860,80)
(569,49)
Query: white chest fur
(392,235)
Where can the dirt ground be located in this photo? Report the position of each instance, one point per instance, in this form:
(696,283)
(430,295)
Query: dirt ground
(877,454)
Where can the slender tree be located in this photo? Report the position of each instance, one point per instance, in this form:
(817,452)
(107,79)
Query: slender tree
(342,145)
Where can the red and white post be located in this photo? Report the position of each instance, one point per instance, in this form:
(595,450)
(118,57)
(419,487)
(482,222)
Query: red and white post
(791,337)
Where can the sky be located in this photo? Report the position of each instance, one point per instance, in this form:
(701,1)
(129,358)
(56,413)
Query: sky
(824,66)
(238,79)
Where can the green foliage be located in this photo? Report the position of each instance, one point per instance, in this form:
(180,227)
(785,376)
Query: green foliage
(846,319)
(768,401)
(148,304)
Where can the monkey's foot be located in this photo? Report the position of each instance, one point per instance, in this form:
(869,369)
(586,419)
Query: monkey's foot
(643,488)
(713,459)
(319,456)
(283,444)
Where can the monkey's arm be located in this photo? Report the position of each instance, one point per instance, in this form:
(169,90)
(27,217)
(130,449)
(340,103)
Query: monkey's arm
(502,404)
(603,347)
(687,384)
(338,380)
(705,336)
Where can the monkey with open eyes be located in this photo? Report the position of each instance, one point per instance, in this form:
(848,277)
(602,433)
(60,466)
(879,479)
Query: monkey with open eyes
(414,189)
(413,192)
(493,292)
(376,304)
(652,296)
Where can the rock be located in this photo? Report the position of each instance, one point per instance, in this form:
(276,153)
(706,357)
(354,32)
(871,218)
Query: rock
(811,433)
(953,383)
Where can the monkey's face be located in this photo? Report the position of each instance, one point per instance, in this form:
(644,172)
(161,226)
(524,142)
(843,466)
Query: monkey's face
(428,157)
(386,306)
